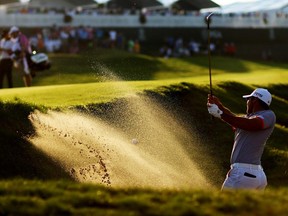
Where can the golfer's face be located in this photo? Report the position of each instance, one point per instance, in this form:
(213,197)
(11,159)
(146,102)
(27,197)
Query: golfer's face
(250,104)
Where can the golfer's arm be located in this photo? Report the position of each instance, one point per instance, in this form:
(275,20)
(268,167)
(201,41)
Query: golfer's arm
(243,123)
(225,110)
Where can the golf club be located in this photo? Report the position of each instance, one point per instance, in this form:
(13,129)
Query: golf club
(208,20)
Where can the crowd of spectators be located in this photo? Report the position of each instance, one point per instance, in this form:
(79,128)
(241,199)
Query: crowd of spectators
(70,39)
(101,11)
(178,47)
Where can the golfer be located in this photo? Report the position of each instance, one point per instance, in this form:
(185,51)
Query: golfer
(251,134)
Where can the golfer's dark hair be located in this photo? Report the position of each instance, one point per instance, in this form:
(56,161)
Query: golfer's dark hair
(264,105)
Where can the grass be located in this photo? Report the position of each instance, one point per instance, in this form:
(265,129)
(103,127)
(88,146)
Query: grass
(29,180)
(69,198)
(101,76)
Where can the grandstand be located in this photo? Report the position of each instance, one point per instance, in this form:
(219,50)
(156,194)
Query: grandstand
(13,5)
(251,26)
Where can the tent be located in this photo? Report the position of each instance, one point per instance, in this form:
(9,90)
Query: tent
(257,6)
(132,4)
(193,5)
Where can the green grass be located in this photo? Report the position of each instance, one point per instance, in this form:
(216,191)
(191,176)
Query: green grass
(78,94)
(80,81)
(101,76)
(126,66)
(68,198)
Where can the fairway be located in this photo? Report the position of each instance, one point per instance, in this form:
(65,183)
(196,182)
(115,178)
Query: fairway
(119,74)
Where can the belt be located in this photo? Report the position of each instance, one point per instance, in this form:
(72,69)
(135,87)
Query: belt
(244,165)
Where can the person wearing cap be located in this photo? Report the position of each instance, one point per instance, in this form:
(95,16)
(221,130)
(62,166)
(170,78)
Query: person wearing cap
(251,133)
(22,52)
(6,62)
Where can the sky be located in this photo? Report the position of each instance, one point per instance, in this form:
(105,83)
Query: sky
(167,2)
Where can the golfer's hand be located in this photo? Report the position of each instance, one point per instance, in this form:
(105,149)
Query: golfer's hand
(214,110)
(212,99)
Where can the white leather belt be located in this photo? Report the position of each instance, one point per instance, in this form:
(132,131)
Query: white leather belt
(244,165)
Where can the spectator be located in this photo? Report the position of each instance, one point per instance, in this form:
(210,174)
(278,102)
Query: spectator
(99,35)
(166,51)
(64,37)
(137,47)
(113,38)
(194,47)
(40,45)
(130,45)
(120,40)
(230,49)
(82,35)
(6,62)
(22,52)
(90,38)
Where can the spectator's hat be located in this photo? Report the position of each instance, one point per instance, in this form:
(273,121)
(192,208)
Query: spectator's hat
(13,29)
(262,94)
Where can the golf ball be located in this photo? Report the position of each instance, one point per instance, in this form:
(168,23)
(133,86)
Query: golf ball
(134,141)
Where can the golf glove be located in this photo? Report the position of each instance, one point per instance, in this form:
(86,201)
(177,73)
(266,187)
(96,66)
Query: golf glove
(214,110)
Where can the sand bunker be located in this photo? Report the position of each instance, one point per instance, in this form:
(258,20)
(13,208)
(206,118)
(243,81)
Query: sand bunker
(144,150)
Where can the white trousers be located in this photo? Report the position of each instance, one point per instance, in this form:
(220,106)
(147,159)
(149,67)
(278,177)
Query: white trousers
(245,176)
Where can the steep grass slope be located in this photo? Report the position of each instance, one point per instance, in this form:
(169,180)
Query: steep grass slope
(186,101)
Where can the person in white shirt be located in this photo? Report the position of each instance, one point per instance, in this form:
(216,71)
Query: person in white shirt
(22,52)
(6,62)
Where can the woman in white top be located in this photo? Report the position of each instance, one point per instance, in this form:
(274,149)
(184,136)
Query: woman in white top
(6,62)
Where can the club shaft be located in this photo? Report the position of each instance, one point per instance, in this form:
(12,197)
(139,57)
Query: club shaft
(209,51)
(209,59)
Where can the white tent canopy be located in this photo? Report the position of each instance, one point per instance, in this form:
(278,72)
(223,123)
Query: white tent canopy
(257,6)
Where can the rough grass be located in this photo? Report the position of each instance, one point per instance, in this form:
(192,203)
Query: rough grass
(69,198)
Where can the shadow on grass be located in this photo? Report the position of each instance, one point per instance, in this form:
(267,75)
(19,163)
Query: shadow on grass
(228,64)
(19,158)
(99,64)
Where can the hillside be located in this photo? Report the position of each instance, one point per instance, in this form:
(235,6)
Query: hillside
(186,102)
